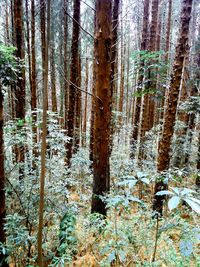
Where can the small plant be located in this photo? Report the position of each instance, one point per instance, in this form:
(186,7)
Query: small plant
(178,195)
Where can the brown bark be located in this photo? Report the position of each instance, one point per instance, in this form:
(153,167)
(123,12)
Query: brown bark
(43,36)
(19,40)
(168,32)
(52,64)
(171,105)
(66,88)
(73,79)
(114,56)
(33,72)
(143,47)
(7,24)
(122,69)
(102,50)
(115,22)
(20,85)
(152,47)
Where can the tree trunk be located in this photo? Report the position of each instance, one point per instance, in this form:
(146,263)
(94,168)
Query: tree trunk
(44,143)
(43,37)
(52,64)
(114,56)
(73,79)
(66,87)
(102,50)
(20,86)
(171,105)
(33,73)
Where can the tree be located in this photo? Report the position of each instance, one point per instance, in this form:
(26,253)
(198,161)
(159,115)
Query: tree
(102,118)
(44,135)
(20,95)
(171,105)
(73,79)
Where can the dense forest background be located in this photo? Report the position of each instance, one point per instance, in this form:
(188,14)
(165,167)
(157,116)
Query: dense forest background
(99,133)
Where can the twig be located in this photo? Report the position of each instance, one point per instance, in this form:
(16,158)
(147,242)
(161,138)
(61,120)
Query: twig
(78,88)
(78,24)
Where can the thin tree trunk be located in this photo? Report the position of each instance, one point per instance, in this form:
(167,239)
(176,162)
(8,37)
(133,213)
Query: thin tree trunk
(43,37)
(102,50)
(44,143)
(20,86)
(73,79)
(171,105)
(66,87)
(52,64)
(33,74)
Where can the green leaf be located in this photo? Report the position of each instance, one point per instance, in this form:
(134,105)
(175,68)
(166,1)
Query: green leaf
(164,192)
(194,205)
(111,256)
(186,247)
(173,202)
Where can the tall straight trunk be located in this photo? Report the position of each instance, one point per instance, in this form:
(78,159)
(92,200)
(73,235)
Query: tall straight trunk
(137,113)
(66,87)
(44,143)
(114,56)
(168,32)
(152,47)
(102,51)
(43,36)
(20,86)
(7,24)
(33,72)
(171,105)
(115,22)
(28,44)
(2,183)
(122,69)
(93,100)
(73,79)
(52,64)
(61,62)
(19,41)
(84,130)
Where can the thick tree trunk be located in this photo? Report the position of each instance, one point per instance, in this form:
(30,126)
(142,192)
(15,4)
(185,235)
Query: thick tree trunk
(102,50)
(137,113)
(73,79)
(171,105)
